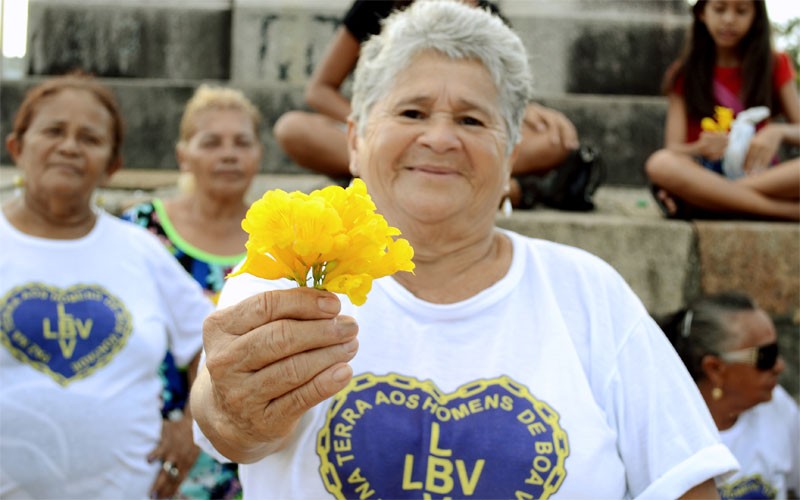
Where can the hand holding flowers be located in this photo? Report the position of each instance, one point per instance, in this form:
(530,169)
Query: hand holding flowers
(331,239)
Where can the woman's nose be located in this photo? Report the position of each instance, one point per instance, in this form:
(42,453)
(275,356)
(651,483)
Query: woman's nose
(440,134)
(780,365)
(68,144)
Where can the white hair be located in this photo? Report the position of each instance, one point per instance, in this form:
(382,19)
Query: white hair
(456,31)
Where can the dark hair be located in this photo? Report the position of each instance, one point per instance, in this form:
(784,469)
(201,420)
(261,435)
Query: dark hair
(77,81)
(702,327)
(698,59)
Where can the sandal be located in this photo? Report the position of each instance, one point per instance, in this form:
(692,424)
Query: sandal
(681,212)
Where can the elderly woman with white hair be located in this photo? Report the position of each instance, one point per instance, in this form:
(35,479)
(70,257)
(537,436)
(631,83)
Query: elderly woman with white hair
(503,367)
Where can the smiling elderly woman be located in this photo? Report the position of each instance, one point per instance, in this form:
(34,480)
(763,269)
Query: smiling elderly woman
(504,367)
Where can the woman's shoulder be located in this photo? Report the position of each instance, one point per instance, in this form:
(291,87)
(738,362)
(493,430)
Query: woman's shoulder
(566,257)
(132,236)
(580,278)
(783,69)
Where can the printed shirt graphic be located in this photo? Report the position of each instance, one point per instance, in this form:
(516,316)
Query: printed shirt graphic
(754,487)
(541,385)
(84,325)
(67,334)
(520,452)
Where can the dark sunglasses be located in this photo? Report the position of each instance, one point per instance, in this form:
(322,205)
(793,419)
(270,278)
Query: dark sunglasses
(762,357)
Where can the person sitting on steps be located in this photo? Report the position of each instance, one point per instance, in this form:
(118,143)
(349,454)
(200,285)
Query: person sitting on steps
(317,139)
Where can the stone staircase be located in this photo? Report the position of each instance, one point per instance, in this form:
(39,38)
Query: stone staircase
(598,61)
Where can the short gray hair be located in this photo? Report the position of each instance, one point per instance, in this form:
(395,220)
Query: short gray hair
(457,31)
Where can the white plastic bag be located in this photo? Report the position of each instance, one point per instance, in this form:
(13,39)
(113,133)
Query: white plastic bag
(742,131)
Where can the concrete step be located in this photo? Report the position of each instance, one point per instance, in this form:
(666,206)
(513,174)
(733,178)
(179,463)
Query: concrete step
(626,129)
(576,46)
(666,262)
(178,40)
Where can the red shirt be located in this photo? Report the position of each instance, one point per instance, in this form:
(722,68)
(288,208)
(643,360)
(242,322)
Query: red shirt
(731,78)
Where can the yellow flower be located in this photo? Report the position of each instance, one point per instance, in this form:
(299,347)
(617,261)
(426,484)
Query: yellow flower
(723,117)
(331,239)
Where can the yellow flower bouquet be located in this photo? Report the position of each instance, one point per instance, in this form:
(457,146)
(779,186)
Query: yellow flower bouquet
(331,239)
(723,117)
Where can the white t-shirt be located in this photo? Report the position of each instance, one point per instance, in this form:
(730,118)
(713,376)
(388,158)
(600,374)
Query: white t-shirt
(552,382)
(84,326)
(766,442)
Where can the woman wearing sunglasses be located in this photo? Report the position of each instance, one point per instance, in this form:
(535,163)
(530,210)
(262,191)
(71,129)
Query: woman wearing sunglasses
(730,347)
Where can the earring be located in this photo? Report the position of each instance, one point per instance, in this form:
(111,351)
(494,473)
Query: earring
(186,183)
(19,184)
(716,393)
(98,200)
(506,207)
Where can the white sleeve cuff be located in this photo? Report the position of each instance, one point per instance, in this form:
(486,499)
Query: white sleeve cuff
(714,461)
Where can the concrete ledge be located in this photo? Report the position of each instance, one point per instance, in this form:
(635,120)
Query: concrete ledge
(657,258)
(626,129)
(666,262)
(130,41)
(761,258)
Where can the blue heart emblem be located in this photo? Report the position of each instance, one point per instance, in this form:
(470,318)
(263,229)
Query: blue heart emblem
(65,333)
(398,437)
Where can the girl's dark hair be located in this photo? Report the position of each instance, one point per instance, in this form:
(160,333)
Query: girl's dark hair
(698,59)
(702,327)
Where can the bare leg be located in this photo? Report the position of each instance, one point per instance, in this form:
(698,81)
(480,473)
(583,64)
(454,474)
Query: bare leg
(780,181)
(538,152)
(680,176)
(314,141)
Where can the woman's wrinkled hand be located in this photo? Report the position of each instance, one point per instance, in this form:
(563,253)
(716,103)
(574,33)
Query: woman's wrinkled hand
(177,454)
(763,147)
(270,359)
(712,145)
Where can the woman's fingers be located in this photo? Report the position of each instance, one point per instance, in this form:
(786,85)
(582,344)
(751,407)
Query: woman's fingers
(267,307)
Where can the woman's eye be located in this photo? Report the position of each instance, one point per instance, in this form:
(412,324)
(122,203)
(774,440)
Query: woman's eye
(471,120)
(411,113)
(91,139)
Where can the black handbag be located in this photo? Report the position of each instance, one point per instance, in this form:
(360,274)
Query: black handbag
(571,186)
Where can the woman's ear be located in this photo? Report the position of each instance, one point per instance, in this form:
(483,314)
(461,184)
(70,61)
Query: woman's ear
(14,146)
(714,369)
(352,146)
(180,156)
(112,169)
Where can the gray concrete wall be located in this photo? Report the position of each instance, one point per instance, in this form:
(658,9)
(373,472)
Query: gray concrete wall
(599,61)
(121,40)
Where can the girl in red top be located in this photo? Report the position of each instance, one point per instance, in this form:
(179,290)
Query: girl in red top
(728,61)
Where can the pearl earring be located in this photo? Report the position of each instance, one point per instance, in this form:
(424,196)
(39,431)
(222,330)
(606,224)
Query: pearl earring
(506,207)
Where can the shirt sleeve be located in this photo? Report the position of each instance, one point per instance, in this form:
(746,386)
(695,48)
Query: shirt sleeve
(364,17)
(783,71)
(185,304)
(667,438)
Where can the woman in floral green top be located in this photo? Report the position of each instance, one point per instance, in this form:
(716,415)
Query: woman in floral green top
(219,150)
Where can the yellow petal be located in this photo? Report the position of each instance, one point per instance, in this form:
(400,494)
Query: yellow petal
(355,286)
(709,125)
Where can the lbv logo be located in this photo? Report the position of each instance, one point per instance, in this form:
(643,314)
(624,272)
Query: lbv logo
(68,331)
